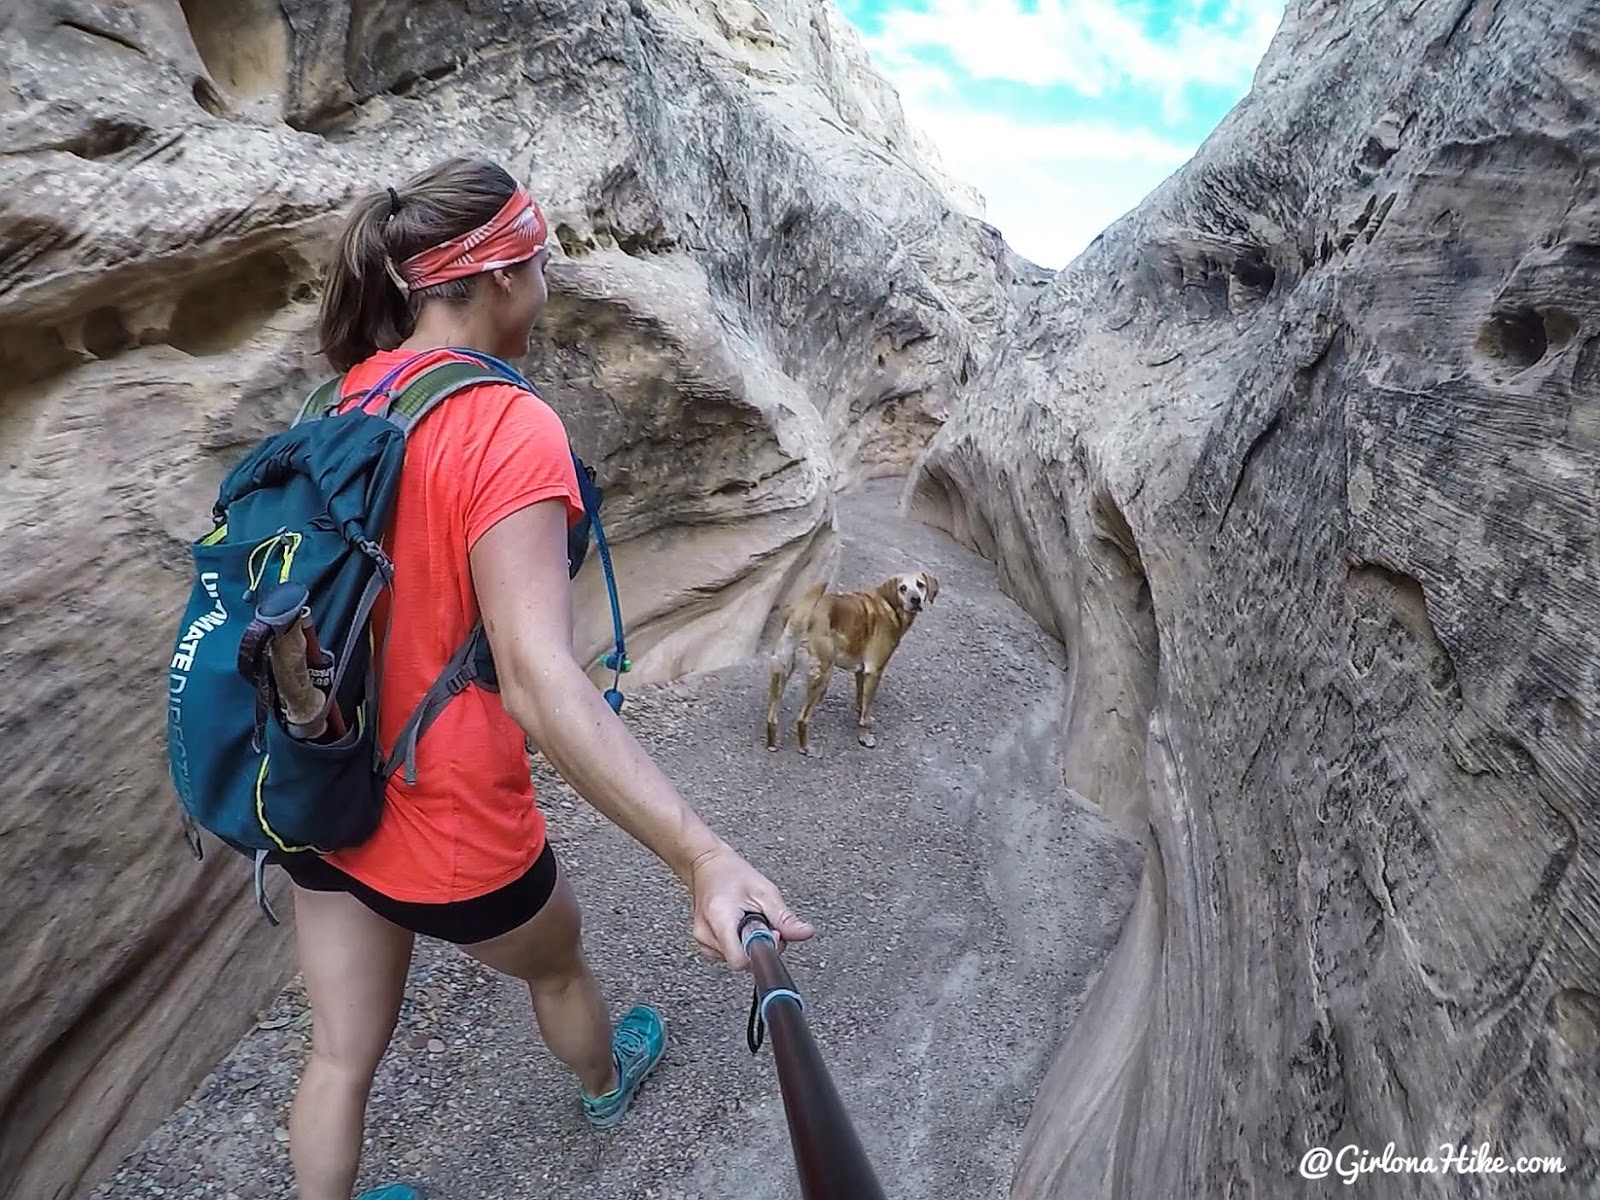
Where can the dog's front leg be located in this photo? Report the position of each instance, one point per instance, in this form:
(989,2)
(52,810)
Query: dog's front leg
(866,689)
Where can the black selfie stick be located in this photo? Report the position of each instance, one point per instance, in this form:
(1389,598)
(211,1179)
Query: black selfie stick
(827,1152)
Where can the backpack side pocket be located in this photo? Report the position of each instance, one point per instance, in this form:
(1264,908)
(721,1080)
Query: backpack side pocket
(318,796)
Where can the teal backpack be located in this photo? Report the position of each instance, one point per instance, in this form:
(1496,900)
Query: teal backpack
(272,687)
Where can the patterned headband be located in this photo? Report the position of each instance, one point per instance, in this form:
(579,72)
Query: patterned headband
(513,235)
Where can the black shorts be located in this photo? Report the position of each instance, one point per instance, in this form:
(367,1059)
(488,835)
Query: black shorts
(460,921)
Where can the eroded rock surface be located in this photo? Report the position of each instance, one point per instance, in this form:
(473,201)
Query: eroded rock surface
(764,291)
(1300,460)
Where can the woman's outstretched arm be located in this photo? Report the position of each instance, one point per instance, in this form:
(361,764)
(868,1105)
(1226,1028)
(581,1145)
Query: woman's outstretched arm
(519,570)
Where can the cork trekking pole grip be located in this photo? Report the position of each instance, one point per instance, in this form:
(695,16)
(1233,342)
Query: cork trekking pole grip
(301,699)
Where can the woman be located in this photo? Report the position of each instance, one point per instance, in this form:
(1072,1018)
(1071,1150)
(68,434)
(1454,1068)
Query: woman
(455,258)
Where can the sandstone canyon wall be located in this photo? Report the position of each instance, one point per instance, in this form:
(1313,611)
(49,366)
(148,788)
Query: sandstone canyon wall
(764,290)
(1300,458)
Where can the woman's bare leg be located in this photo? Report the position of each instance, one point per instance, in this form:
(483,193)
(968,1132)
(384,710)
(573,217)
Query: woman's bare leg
(546,953)
(354,964)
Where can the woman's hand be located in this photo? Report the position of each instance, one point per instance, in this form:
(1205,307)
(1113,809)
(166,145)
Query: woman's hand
(725,887)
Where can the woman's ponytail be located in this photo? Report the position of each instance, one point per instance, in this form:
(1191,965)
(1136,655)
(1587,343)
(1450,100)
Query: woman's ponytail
(362,310)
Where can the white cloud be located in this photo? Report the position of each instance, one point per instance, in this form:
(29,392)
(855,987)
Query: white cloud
(1050,188)
(1051,185)
(1090,46)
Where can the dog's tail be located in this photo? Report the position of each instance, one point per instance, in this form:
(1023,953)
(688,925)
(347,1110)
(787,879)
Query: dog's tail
(800,610)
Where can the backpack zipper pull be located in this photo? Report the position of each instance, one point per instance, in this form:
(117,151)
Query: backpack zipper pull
(256,573)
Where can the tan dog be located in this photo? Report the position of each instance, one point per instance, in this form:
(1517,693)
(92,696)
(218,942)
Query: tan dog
(855,630)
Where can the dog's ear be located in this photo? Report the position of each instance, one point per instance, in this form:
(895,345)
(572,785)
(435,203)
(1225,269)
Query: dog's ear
(932,580)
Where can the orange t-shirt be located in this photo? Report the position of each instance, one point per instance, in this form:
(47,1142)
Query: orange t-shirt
(469,825)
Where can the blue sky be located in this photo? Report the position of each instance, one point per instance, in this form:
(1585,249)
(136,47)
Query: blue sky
(1065,114)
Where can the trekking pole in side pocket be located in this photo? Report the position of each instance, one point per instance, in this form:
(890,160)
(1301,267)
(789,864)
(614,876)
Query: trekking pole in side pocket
(827,1153)
(299,663)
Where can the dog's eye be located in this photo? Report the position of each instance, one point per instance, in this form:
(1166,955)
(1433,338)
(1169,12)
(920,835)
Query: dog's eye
(902,587)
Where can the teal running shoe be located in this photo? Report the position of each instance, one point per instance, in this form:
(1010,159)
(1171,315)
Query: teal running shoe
(637,1044)
(394,1191)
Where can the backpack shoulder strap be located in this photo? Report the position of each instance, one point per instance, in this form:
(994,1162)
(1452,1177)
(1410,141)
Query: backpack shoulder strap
(471,662)
(323,399)
(431,389)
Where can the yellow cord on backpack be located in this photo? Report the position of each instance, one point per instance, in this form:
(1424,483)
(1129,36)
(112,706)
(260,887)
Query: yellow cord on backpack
(288,556)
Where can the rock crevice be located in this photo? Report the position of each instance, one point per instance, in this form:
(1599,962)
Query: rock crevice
(1334,374)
